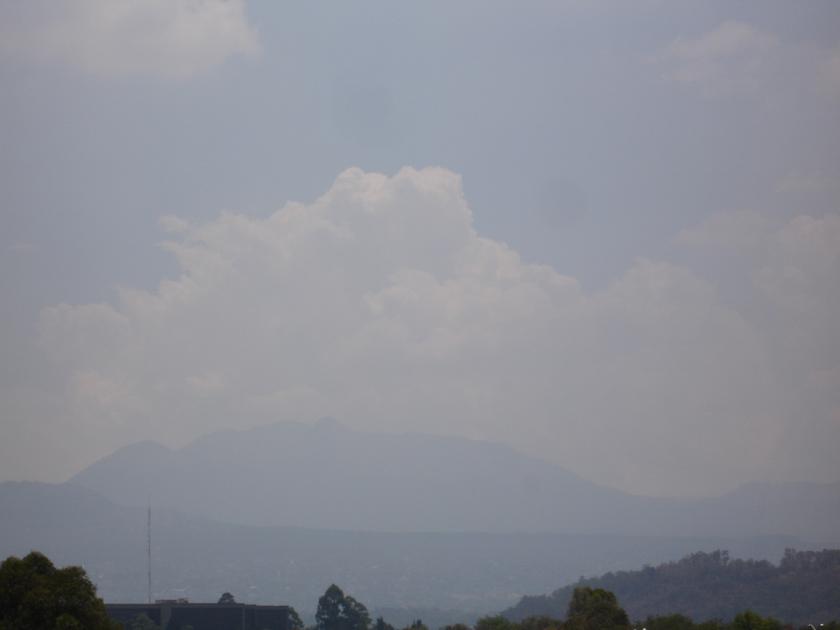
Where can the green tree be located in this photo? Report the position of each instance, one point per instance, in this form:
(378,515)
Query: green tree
(595,609)
(295,622)
(35,594)
(356,616)
(417,624)
(541,622)
(337,611)
(381,624)
(495,622)
(330,604)
(748,620)
(227,598)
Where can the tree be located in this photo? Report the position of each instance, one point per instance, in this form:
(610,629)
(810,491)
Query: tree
(35,594)
(496,622)
(337,611)
(381,624)
(540,623)
(356,616)
(227,598)
(595,609)
(330,605)
(295,622)
(748,620)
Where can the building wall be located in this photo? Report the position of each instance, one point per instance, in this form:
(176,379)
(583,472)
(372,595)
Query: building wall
(207,618)
(204,616)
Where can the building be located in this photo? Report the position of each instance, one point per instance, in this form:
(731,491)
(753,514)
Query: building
(180,614)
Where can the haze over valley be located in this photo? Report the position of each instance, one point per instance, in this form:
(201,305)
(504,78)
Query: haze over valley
(449,542)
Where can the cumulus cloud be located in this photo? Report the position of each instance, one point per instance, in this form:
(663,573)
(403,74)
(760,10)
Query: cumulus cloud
(732,56)
(380,304)
(736,58)
(171,38)
(793,295)
(794,261)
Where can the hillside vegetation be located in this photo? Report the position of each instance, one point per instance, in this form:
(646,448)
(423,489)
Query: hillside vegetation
(803,588)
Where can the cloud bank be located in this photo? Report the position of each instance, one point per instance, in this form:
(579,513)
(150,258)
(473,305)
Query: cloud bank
(739,59)
(170,38)
(380,304)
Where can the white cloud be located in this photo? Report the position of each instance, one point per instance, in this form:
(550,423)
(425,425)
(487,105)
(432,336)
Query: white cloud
(794,299)
(795,262)
(171,38)
(733,56)
(736,58)
(741,230)
(379,303)
(799,277)
(173,224)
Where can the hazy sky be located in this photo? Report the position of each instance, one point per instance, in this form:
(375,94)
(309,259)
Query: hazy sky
(606,233)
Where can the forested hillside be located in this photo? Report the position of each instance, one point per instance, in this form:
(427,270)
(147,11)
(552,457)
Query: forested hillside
(804,587)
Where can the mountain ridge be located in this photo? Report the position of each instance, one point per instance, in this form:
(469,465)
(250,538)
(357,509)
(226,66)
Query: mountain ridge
(326,475)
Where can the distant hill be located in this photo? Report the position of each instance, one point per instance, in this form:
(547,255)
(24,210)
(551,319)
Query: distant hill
(442,578)
(325,475)
(804,588)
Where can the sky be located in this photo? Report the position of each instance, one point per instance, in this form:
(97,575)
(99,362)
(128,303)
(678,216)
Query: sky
(605,233)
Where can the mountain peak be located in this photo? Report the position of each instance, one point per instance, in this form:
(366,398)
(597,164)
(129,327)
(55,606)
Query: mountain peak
(324,474)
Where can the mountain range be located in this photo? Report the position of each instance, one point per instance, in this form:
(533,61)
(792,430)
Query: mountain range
(325,475)
(442,528)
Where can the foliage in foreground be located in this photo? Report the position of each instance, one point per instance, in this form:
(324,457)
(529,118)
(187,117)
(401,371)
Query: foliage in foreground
(598,609)
(588,609)
(35,594)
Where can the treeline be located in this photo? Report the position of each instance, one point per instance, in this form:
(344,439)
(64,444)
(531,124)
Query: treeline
(803,589)
(35,595)
(588,609)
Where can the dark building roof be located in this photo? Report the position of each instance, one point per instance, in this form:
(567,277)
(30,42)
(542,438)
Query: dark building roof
(175,615)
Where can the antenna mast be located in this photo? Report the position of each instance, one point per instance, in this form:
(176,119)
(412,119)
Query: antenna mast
(149,551)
